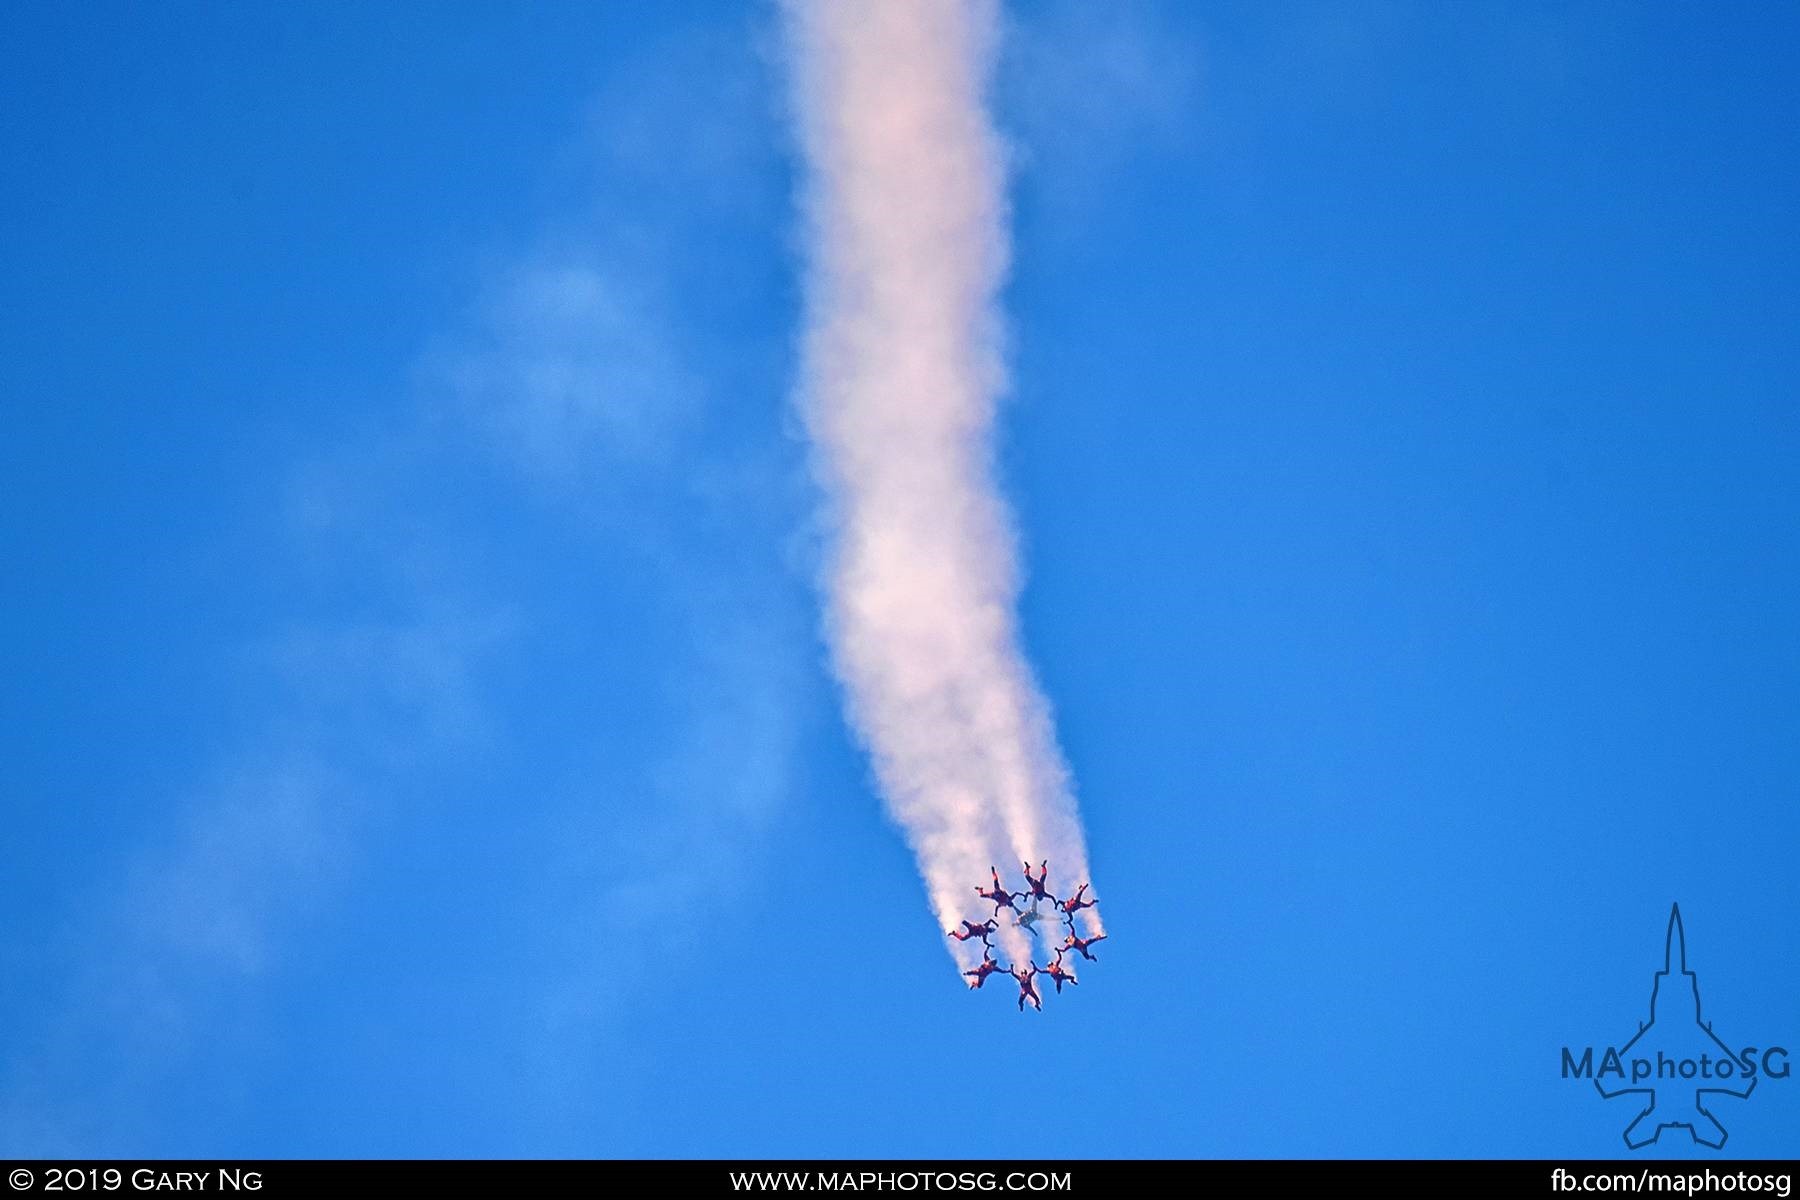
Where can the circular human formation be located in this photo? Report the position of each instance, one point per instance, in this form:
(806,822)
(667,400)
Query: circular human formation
(1006,900)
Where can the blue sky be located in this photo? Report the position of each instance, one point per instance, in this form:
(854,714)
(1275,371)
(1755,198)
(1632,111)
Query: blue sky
(415,735)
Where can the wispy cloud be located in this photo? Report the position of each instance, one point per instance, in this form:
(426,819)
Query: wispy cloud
(261,842)
(705,797)
(208,904)
(571,370)
(610,407)
(1082,86)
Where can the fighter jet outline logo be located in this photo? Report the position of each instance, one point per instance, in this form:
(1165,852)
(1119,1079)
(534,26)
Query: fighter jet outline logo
(1676,1021)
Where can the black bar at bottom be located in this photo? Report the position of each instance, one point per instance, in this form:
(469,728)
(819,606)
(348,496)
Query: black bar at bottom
(294,1177)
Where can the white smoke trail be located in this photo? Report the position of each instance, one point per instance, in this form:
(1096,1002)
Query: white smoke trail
(903,365)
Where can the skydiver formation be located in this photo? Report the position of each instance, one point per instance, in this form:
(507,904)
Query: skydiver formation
(1006,900)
